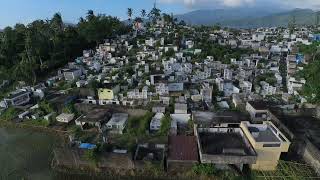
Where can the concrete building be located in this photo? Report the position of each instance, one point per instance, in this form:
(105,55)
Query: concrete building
(258,110)
(65,118)
(224,146)
(227,74)
(180,108)
(246,86)
(155,123)
(267,141)
(117,123)
(95,117)
(17,98)
(108,92)
(72,74)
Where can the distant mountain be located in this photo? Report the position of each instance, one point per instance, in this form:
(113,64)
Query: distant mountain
(214,16)
(302,16)
(249,18)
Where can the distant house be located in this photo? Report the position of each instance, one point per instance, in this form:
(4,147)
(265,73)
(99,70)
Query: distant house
(95,117)
(72,74)
(108,91)
(180,108)
(155,123)
(18,98)
(159,109)
(175,87)
(65,118)
(117,123)
(258,110)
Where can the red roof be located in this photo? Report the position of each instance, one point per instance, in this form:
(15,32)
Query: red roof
(183,148)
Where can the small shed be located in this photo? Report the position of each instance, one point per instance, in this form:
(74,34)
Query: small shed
(65,118)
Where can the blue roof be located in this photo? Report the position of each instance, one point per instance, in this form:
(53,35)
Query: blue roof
(175,87)
(87,146)
(299,58)
(316,37)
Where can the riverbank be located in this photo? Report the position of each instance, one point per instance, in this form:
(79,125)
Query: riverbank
(63,135)
(25,153)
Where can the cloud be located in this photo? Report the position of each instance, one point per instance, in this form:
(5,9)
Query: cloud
(313,4)
(211,3)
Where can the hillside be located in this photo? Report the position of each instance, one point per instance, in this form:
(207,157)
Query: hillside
(303,17)
(248,18)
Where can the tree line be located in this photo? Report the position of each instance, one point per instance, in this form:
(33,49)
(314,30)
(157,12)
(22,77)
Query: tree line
(28,52)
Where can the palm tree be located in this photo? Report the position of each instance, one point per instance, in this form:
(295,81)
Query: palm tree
(143,13)
(154,14)
(129,12)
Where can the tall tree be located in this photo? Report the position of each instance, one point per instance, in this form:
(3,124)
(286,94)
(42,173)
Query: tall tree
(143,13)
(154,14)
(129,13)
(56,23)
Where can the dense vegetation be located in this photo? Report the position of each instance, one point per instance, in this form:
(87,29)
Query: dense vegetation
(311,72)
(28,52)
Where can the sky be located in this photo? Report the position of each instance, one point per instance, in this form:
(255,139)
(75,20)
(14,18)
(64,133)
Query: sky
(26,11)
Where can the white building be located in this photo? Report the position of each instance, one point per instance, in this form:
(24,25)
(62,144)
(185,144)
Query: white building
(162,89)
(227,74)
(65,118)
(72,74)
(267,89)
(246,86)
(258,37)
(137,94)
(294,84)
(180,108)
(117,123)
(155,123)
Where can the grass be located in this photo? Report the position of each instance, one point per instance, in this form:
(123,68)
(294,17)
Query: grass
(287,170)
(37,122)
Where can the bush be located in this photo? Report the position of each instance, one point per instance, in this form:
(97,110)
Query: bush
(9,114)
(165,125)
(138,126)
(91,155)
(204,169)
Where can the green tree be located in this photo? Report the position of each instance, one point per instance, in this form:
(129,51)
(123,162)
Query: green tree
(165,125)
(129,13)
(143,13)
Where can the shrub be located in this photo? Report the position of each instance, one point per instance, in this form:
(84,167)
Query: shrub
(204,169)
(9,114)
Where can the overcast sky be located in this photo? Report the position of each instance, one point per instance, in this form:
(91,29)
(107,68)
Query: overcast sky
(25,11)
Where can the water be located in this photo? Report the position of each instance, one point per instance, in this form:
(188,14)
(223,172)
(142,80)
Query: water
(25,154)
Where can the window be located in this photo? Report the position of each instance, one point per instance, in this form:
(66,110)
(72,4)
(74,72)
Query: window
(271,145)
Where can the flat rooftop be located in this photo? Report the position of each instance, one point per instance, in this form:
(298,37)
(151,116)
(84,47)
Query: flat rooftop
(259,105)
(96,115)
(218,143)
(265,135)
(265,132)
(209,118)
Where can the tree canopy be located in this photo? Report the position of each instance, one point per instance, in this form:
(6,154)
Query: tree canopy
(34,50)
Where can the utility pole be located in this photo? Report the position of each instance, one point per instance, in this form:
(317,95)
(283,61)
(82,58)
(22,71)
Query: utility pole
(292,23)
(317,18)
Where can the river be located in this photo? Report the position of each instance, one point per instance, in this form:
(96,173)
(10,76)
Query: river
(25,154)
